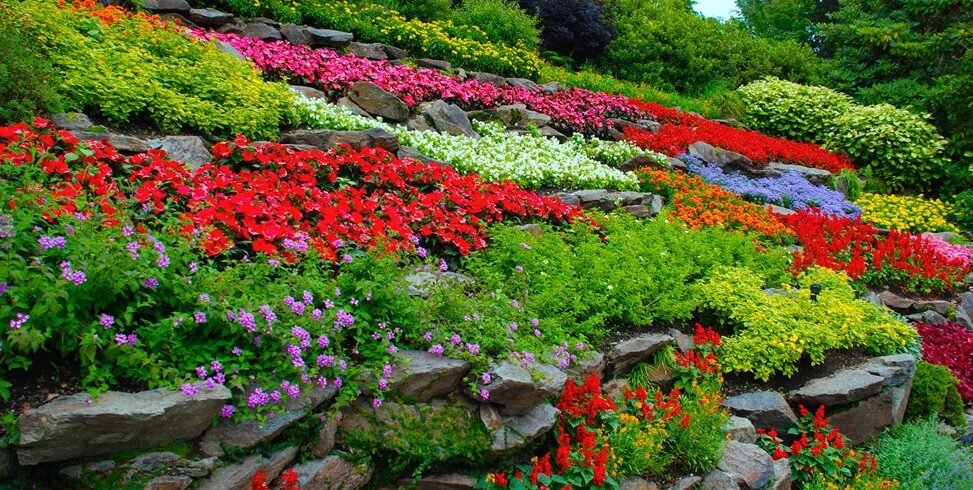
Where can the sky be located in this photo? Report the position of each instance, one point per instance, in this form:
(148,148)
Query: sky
(716,8)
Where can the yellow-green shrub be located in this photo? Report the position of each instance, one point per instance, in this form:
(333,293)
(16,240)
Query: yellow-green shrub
(126,68)
(905,213)
(774,332)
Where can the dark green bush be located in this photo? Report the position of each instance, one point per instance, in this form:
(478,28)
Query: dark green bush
(962,213)
(934,394)
(503,22)
(575,28)
(27,86)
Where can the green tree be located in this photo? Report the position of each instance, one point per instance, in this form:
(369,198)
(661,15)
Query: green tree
(793,20)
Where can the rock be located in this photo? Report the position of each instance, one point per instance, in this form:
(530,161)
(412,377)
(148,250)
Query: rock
(568,198)
(295,34)
(513,116)
(353,107)
(235,27)
(517,392)
(408,152)
(549,132)
(636,483)
(966,303)
(484,77)
(638,210)
(327,38)
(640,161)
(514,432)
(332,472)
(873,298)
(895,301)
(845,386)
(729,160)
(649,125)
(447,118)
(230,50)
(747,464)
(309,92)
(124,144)
(961,317)
(866,420)
(377,102)
(73,426)
(625,354)
(685,483)
(522,83)
(100,467)
(372,51)
(326,139)
(166,6)
(930,317)
(552,87)
(326,437)
(941,307)
(249,433)
(423,376)
(608,200)
(420,282)
(71,121)
(419,123)
(432,64)
(261,31)
(208,17)
(813,175)
(169,482)
(683,342)
(718,480)
(614,388)
(533,229)
(594,363)
(741,430)
(395,54)
(896,369)
(196,469)
(766,409)
(238,476)
(782,475)
(150,462)
(677,164)
(453,481)
(190,150)
(73,472)
(773,208)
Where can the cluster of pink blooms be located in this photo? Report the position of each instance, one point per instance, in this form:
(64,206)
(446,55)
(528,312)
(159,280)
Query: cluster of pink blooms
(574,110)
(949,251)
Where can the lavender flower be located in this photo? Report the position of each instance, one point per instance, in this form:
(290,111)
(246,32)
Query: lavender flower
(48,242)
(436,350)
(4,287)
(107,321)
(484,394)
(226,411)
(151,283)
(204,298)
(376,403)
(199,317)
(486,378)
(18,321)
(189,389)
(162,261)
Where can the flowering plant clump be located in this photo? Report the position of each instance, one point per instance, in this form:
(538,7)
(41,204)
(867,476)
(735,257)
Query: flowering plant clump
(791,190)
(950,345)
(896,259)
(906,213)
(963,254)
(818,456)
(700,204)
(286,481)
(684,129)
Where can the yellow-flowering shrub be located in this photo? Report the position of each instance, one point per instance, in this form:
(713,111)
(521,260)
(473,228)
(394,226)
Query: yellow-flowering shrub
(906,213)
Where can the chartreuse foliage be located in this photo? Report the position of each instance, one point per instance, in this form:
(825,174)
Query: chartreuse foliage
(775,331)
(128,67)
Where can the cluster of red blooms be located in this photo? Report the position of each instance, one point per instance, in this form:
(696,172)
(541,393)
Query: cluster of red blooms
(685,129)
(950,345)
(278,198)
(703,358)
(893,259)
(286,481)
(663,407)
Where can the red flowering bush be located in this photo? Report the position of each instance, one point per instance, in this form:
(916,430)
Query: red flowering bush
(684,129)
(897,259)
(950,345)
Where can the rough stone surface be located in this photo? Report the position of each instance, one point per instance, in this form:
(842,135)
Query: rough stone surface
(729,160)
(865,421)
(447,118)
(896,369)
(327,38)
(378,102)
(741,430)
(149,462)
(939,306)
(930,317)
(516,391)
(813,175)
(640,161)
(636,483)
(895,301)
(551,87)
(309,92)
(593,362)
(122,143)
(683,341)
(209,17)
(514,432)
(71,121)
(718,480)
(568,198)
(326,437)
(395,54)
(259,30)
(649,125)
(522,83)
(295,34)
(685,483)
(166,6)
(766,409)
(190,150)
(351,106)
(432,64)
(782,475)
(332,472)
(423,376)
(452,481)
(781,210)
(513,116)
(238,476)
(485,77)
(372,51)
(409,152)
(747,464)
(608,200)
(73,426)
(966,303)
(326,139)
(627,353)
(169,482)
(230,50)
(845,386)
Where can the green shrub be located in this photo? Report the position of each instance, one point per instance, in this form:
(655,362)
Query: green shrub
(503,22)
(920,457)
(27,79)
(934,394)
(795,111)
(425,10)
(962,213)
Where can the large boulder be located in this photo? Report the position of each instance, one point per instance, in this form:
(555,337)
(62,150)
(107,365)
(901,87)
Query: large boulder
(627,353)
(782,475)
(238,476)
(432,64)
(327,38)
(71,121)
(510,433)
(730,160)
(513,116)
(865,421)
(378,102)
(74,426)
(264,32)
(516,390)
(447,118)
(766,409)
(895,301)
(813,175)
(124,144)
(210,18)
(452,481)
(326,139)
(308,92)
(423,376)
(166,6)
(587,364)
(747,464)
(718,480)
(333,472)
(845,386)
(372,51)
(190,150)
(741,430)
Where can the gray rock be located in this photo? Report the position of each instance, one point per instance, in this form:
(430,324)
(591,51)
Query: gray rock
(485,77)
(517,392)
(326,139)
(169,482)
(845,386)
(73,426)
(513,116)
(627,353)
(895,301)
(941,307)
(964,319)
(264,32)
(766,409)
(930,317)
(552,87)
(196,468)
(326,437)
(638,210)
(593,363)
(238,476)
(608,200)
(208,17)
(639,162)
(422,376)
(353,107)
(432,64)
(896,369)
(309,92)
(718,480)
(409,152)
(685,483)
(684,342)
(522,83)
(549,132)
(249,433)
(677,164)
(747,464)
(782,475)
(235,27)
(295,34)
(71,121)
(568,198)
(637,483)
(327,38)
(372,51)
(190,150)
(124,144)
(149,462)
(72,472)
(730,160)
(419,123)
(741,430)
(873,298)
(813,175)
(378,102)
(966,303)
(100,467)
(447,118)
(166,6)
(865,421)
(332,472)
(649,125)
(395,54)
(452,481)
(421,282)
(514,432)
(230,50)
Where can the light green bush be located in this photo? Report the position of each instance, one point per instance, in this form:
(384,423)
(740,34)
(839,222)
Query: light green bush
(792,110)
(503,22)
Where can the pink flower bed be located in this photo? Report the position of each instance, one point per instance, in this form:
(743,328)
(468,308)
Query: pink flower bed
(961,253)
(574,109)
(950,345)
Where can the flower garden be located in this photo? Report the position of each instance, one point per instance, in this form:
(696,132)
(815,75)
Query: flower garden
(511,286)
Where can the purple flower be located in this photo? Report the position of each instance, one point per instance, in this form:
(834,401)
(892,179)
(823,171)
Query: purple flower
(316,314)
(353,301)
(247,321)
(6,226)
(392,349)
(520,268)
(275,396)
(268,314)
(328,304)
(535,322)
(338,243)
(343,319)
(162,261)
(455,339)
(291,390)
(47,242)
(258,398)
(486,378)
(121,339)
(307,297)
(151,283)
(237,351)
(383,384)
(537,333)
(484,394)
(387,370)
(443,266)
(427,336)
(18,321)
(71,275)
(193,267)
(343,365)
(323,341)
(421,252)
(376,403)
(132,339)
(189,389)
(107,321)
(204,298)
(4,287)
(325,360)
(338,382)
(200,372)
(525,246)
(473,349)
(128,231)
(226,411)
(513,327)
(436,350)
(273,262)
(347,259)
(199,317)
(216,366)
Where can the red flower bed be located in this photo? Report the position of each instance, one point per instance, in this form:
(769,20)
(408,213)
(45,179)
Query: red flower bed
(950,345)
(897,259)
(275,198)
(684,129)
